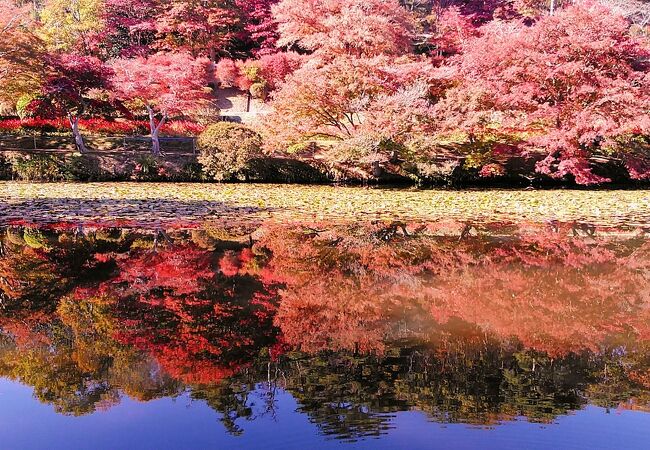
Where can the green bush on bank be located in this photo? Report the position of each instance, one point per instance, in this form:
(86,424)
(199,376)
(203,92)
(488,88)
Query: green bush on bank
(40,167)
(152,168)
(83,168)
(231,152)
(228,151)
(6,170)
(44,167)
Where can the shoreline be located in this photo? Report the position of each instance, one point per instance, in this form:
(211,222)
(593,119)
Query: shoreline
(62,165)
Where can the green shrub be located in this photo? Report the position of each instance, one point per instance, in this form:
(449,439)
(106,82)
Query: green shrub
(6,171)
(228,150)
(147,168)
(302,148)
(80,167)
(427,162)
(151,168)
(44,167)
(191,171)
(15,236)
(109,234)
(39,168)
(259,90)
(287,170)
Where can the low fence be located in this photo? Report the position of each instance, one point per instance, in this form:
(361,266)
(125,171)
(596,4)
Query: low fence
(53,143)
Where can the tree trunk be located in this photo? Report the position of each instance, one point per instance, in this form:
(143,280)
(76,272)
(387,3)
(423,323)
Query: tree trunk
(155,131)
(377,170)
(155,143)
(78,139)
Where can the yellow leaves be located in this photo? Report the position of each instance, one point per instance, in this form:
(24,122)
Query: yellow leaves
(68,24)
(167,203)
(19,49)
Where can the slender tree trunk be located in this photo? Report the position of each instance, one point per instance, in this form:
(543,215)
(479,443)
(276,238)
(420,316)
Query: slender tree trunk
(155,131)
(78,139)
(155,143)
(552,7)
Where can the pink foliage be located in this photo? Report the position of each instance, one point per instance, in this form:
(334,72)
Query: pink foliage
(182,269)
(130,26)
(573,82)
(347,96)
(13,16)
(230,264)
(227,73)
(72,81)
(182,128)
(638,167)
(171,83)
(271,69)
(492,170)
(355,27)
(259,24)
(452,29)
(198,27)
(276,67)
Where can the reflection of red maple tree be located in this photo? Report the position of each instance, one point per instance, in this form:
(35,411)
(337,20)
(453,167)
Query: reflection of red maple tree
(200,316)
(350,288)
(161,315)
(553,293)
(180,269)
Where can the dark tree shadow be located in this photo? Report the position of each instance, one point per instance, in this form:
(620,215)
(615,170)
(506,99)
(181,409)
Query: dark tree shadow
(125,212)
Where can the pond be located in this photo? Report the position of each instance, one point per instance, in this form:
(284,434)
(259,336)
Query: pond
(194,316)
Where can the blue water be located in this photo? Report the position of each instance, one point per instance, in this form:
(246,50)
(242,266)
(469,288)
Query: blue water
(181,423)
(353,337)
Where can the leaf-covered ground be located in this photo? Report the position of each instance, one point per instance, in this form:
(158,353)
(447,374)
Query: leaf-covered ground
(182,203)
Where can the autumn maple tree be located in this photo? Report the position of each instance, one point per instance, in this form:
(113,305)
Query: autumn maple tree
(129,27)
(72,25)
(344,97)
(259,25)
(554,91)
(73,88)
(359,64)
(163,84)
(202,28)
(19,45)
(351,27)
(573,87)
(258,76)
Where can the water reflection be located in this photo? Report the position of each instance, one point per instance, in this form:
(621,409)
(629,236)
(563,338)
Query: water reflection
(469,323)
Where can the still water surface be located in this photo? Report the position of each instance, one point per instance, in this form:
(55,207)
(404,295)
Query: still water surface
(362,334)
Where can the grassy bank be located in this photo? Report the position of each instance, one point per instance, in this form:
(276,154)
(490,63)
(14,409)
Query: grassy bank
(184,166)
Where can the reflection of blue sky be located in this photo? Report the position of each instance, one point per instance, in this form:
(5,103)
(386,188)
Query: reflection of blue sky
(181,424)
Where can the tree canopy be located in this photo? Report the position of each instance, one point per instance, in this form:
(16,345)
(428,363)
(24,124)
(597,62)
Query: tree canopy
(501,87)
